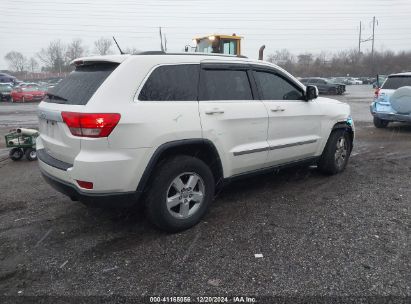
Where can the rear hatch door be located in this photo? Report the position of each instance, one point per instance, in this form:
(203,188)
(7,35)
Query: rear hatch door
(70,95)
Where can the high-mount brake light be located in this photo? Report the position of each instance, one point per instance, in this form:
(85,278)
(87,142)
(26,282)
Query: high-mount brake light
(91,124)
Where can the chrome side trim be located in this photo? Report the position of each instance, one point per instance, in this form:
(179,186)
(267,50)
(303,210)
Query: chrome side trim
(299,143)
(251,151)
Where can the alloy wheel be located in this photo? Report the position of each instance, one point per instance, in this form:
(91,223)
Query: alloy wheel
(185,195)
(341,152)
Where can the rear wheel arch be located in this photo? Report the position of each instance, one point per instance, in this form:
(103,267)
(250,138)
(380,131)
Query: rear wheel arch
(201,148)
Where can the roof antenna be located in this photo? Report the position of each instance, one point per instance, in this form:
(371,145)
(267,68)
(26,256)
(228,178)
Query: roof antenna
(121,52)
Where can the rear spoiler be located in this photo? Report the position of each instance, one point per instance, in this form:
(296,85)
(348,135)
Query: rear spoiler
(94,59)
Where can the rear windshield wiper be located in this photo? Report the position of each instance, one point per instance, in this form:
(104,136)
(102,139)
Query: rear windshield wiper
(54,96)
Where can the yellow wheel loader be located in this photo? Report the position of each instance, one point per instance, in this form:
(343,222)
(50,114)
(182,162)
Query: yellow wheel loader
(221,44)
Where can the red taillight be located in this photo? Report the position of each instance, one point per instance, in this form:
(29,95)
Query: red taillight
(84,184)
(91,124)
(377,93)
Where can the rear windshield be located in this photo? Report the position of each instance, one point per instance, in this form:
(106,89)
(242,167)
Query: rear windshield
(395,82)
(78,87)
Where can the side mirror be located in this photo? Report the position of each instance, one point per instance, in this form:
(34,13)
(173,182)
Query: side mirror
(311,92)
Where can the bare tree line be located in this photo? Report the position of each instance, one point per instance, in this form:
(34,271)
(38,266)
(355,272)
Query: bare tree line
(56,57)
(343,63)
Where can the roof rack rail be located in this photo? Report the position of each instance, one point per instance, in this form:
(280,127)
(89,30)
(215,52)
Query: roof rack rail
(185,53)
(151,53)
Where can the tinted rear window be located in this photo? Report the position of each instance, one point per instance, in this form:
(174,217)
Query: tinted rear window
(396,82)
(78,87)
(225,85)
(172,83)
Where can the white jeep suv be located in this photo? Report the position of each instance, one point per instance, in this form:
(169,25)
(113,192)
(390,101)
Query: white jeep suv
(171,129)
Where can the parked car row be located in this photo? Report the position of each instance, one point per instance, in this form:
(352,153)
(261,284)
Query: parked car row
(353,80)
(324,85)
(18,91)
(367,80)
(335,85)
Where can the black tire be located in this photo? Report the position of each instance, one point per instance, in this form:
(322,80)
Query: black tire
(329,162)
(16,154)
(161,185)
(30,154)
(380,123)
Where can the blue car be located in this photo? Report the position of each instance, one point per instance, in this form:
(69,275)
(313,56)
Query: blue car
(392,101)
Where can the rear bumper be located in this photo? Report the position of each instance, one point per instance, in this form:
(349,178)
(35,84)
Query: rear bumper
(389,116)
(56,173)
(111,200)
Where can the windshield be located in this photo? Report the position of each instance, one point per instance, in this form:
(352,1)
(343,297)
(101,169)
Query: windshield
(204,46)
(395,82)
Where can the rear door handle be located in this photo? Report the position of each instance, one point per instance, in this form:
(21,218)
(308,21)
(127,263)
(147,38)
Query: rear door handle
(214,111)
(278,109)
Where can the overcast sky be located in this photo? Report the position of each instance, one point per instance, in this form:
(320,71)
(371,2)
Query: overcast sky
(298,25)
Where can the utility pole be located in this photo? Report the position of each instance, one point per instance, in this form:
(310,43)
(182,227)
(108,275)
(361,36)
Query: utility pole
(359,41)
(373,37)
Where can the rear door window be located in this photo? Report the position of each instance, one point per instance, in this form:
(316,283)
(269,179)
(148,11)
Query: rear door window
(395,82)
(81,84)
(172,83)
(223,84)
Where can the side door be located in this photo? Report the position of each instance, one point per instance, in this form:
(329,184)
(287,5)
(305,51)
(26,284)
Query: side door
(165,108)
(232,116)
(294,131)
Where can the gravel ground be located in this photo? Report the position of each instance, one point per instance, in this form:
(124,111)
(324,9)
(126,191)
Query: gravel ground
(337,238)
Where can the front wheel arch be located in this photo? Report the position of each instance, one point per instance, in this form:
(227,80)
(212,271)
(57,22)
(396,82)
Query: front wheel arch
(345,126)
(330,160)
